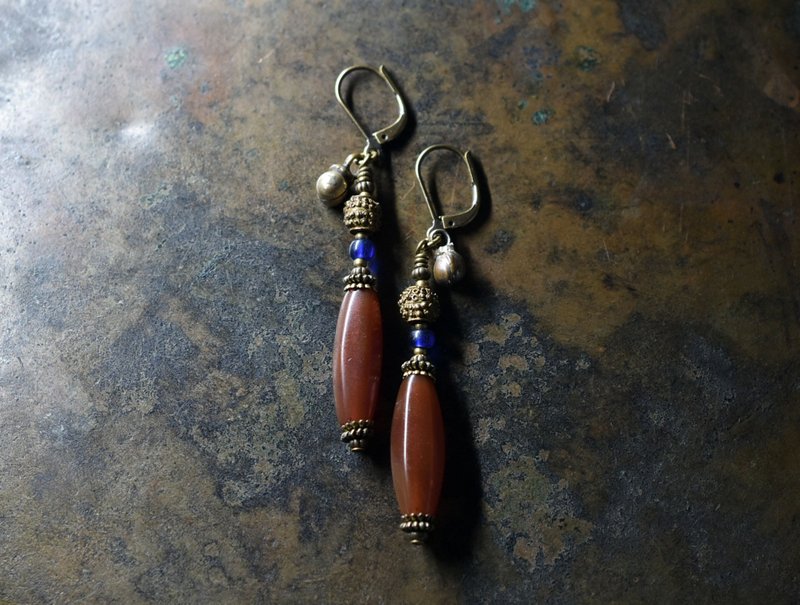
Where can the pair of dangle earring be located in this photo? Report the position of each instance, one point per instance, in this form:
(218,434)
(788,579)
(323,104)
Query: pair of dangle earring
(417,439)
(417,435)
(358,348)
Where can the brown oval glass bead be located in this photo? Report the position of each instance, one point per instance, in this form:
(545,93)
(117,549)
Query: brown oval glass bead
(357,355)
(417,446)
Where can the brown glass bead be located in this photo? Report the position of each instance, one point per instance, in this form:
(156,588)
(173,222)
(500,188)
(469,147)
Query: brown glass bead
(417,446)
(357,355)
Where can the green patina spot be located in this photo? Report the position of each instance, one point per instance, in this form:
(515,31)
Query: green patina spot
(176,57)
(524,5)
(522,104)
(283,186)
(587,58)
(543,116)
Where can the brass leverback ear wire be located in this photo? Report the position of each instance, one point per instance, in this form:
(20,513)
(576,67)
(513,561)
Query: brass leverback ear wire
(384,135)
(417,443)
(332,185)
(449,221)
(358,348)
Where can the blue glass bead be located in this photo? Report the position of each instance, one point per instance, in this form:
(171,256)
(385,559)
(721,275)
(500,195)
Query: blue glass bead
(424,339)
(362,248)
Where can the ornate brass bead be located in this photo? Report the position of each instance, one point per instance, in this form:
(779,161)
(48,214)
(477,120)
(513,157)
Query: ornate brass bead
(418,526)
(362,213)
(357,433)
(359,277)
(419,364)
(419,303)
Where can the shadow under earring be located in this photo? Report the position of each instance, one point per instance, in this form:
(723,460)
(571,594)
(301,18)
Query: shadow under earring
(417,441)
(358,347)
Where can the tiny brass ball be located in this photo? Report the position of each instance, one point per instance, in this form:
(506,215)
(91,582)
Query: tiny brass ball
(332,186)
(448,266)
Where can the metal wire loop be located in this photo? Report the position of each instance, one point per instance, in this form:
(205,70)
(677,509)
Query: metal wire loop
(442,222)
(384,135)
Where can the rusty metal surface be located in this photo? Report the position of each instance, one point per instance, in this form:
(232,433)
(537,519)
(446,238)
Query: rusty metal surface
(619,372)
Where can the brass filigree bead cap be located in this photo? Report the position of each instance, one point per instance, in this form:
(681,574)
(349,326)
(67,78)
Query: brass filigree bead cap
(417,526)
(357,433)
(362,213)
(419,304)
(419,364)
(359,278)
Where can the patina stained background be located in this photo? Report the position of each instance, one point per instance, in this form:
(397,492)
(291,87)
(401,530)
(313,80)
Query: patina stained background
(619,373)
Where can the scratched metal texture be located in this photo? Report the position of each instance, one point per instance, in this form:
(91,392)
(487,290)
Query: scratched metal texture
(619,372)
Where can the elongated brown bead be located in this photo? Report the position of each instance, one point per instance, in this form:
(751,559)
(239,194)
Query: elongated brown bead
(417,447)
(357,355)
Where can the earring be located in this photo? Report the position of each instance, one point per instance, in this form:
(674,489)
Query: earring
(417,440)
(358,348)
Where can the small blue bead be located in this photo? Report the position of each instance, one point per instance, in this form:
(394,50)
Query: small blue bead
(424,339)
(362,248)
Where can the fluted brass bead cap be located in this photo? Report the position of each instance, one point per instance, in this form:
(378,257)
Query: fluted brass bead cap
(362,213)
(419,303)
(364,182)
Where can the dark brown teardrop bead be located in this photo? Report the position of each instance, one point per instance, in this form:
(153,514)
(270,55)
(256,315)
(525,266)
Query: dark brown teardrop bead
(357,355)
(417,446)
